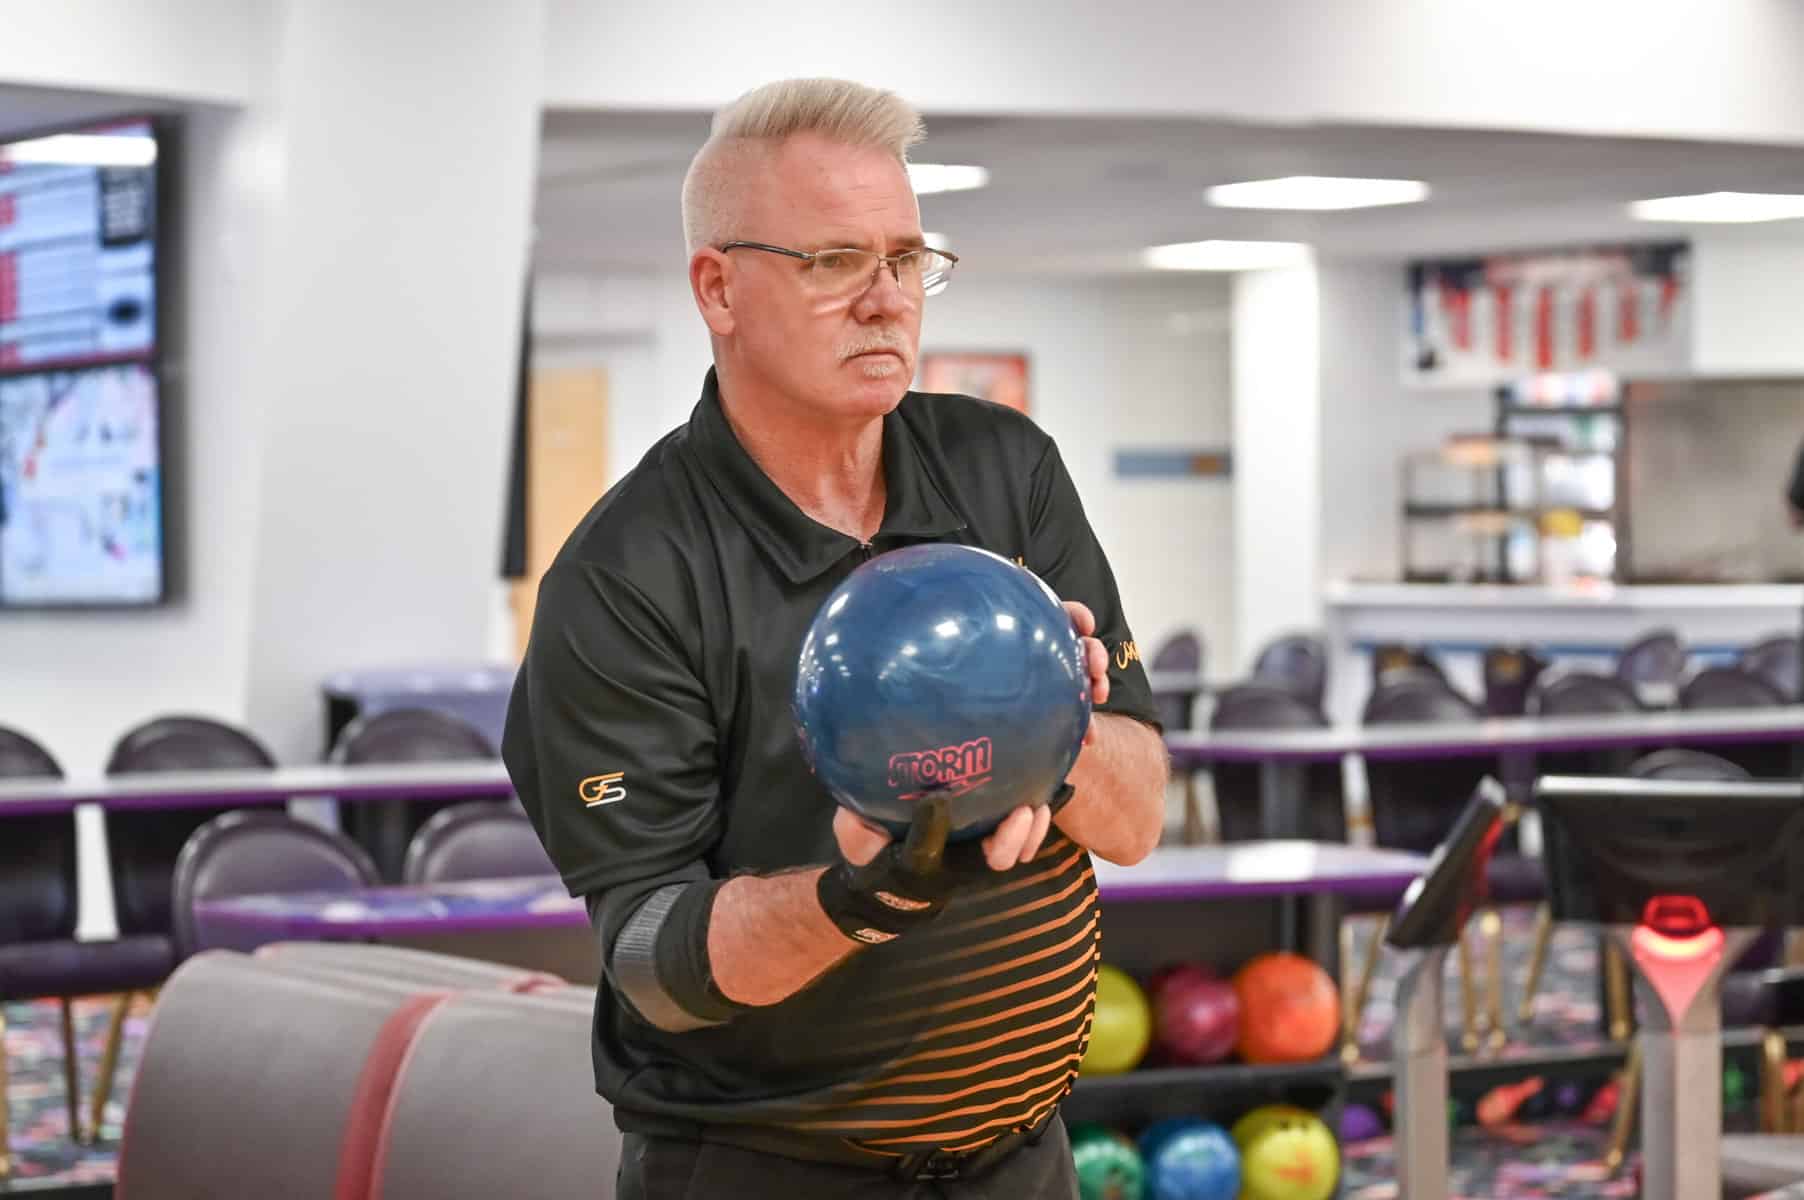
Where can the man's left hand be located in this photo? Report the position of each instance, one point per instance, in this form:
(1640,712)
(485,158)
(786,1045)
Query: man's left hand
(1096,658)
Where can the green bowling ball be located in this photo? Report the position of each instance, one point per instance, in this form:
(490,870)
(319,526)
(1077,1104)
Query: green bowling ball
(1108,1166)
(1286,1153)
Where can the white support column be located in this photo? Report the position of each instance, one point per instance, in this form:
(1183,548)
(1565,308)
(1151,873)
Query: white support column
(1277,452)
(388,341)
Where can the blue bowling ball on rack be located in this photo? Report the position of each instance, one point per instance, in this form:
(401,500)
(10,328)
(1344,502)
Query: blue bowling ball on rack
(941,671)
(1188,1158)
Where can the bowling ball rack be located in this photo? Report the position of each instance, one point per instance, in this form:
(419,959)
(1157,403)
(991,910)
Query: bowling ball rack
(1143,935)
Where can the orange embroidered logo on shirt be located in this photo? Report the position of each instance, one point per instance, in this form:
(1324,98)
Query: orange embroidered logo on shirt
(1126,653)
(598,790)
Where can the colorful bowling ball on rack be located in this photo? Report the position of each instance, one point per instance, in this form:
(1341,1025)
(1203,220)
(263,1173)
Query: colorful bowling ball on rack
(1190,1159)
(1108,1166)
(1122,1028)
(941,671)
(1196,1016)
(1289,1009)
(1359,1123)
(1286,1153)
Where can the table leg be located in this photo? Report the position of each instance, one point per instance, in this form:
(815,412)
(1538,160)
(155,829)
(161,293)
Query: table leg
(1322,933)
(388,824)
(1282,787)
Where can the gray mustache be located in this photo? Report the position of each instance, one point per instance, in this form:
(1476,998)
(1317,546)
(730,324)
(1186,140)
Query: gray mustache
(894,347)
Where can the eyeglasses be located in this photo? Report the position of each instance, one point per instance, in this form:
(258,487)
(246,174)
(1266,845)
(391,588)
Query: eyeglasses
(844,274)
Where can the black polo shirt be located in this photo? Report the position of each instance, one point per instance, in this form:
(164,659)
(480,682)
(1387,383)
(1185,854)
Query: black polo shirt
(650,737)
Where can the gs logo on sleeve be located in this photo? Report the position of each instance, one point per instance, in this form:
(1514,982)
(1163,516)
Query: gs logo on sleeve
(598,790)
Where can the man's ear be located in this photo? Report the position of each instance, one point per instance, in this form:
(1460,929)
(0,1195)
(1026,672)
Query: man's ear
(709,278)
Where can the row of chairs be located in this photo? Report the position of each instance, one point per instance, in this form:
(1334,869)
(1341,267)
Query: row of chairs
(365,1073)
(40,956)
(1654,665)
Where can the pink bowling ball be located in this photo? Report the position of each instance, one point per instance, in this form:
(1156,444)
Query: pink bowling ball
(1196,1016)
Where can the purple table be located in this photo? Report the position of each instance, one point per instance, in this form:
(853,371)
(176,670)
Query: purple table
(529,923)
(1323,875)
(1260,869)
(1283,755)
(1303,886)
(205,789)
(473,906)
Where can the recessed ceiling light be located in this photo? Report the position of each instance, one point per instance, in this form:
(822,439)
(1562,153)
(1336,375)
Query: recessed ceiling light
(936,241)
(1317,192)
(929,178)
(1219,255)
(1720,208)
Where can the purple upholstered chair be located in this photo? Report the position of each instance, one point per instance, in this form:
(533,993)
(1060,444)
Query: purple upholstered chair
(240,853)
(142,846)
(1296,662)
(1260,704)
(1181,653)
(402,735)
(1732,687)
(1652,664)
(39,955)
(481,839)
(1776,659)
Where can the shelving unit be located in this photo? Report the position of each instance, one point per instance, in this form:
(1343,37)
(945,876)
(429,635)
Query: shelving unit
(1150,1094)
(1537,499)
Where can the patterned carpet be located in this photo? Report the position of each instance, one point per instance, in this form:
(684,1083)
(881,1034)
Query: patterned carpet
(41,1146)
(1553,1157)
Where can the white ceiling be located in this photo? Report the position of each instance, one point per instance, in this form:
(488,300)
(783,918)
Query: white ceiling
(1082,196)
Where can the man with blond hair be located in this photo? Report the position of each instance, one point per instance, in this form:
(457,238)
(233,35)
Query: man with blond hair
(788,1007)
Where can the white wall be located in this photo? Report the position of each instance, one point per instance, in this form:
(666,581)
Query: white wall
(1114,364)
(1677,68)
(1277,448)
(1654,67)
(1370,418)
(1130,364)
(1748,304)
(204,50)
(389,342)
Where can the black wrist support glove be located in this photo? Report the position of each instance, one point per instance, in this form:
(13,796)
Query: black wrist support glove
(909,882)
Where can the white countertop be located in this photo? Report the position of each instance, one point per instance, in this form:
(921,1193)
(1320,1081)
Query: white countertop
(1621,596)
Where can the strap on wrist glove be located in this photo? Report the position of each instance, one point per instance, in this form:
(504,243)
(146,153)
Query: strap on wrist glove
(909,882)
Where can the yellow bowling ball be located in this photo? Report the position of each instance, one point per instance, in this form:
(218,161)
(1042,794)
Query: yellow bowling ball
(1123,1026)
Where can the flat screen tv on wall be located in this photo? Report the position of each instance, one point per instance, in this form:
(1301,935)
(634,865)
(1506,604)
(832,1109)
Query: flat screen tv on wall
(81,279)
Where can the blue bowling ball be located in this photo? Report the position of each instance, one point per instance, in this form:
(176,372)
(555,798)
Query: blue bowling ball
(1159,1132)
(941,670)
(1190,1159)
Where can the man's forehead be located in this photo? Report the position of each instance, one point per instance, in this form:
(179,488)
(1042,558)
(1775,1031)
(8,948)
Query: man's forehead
(835,187)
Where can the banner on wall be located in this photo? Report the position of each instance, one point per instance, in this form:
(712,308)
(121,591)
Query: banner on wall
(1494,319)
(998,377)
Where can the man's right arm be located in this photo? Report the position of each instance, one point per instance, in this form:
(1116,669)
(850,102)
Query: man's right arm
(611,747)
(769,937)
(611,744)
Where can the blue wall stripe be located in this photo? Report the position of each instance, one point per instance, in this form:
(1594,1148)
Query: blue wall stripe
(1567,649)
(1209,462)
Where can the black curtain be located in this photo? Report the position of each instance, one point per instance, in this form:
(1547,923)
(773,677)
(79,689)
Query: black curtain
(513,532)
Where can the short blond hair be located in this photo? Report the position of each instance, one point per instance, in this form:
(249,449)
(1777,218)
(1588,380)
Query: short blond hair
(762,119)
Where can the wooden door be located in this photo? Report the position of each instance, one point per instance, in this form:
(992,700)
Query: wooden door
(566,470)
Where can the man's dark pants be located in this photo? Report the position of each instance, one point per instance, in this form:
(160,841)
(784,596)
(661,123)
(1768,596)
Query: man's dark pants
(665,1169)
